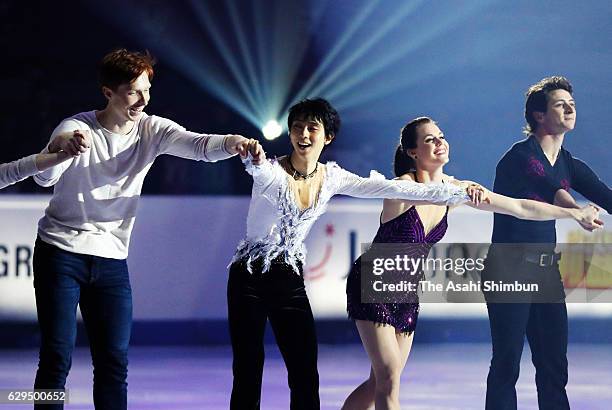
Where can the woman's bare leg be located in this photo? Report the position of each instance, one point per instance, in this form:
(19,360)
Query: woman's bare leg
(380,342)
(362,398)
(404,342)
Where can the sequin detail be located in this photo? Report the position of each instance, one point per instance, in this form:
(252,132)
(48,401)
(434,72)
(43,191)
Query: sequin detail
(405,228)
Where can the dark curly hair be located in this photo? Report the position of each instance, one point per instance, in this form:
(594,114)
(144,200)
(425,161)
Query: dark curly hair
(537,98)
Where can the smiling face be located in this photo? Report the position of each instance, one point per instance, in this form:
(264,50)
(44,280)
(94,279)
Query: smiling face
(128,101)
(308,138)
(560,115)
(432,150)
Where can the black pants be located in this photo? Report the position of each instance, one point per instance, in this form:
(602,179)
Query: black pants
(545,325)
(278,295)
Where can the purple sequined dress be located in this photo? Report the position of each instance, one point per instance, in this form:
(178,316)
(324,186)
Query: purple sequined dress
(405,228)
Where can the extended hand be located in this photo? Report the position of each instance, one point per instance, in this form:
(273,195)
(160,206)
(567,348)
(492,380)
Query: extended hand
(476,192)
(72,143)
(244,146)
(588,218)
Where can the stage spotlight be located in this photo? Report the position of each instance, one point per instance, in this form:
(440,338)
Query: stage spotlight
(272,130)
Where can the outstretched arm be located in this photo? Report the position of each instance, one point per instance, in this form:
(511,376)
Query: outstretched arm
(46,161)
(378,187)
(565,200)
(52,156)
(176,140)
(17,170)
(26,167)
(538,211)
(64,145)
(588,184)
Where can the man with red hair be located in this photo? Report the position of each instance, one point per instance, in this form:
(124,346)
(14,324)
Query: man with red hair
(82,245)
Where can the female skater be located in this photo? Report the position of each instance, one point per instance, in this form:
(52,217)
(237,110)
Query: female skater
(265,278)
(387,329)
(62,148)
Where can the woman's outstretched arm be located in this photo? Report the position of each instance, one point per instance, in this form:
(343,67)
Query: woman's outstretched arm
(587,216)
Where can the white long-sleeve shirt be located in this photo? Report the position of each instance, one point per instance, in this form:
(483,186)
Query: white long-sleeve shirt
(94,202)
(17,170)
(277,227)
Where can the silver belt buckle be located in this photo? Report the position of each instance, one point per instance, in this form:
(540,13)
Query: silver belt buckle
(542,262)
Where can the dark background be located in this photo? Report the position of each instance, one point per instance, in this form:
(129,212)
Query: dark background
(465,63)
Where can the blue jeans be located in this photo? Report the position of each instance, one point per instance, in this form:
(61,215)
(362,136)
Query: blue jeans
(101,287)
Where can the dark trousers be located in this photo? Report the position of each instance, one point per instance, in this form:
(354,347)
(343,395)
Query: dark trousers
(101,287)
(278,295)
(545,325)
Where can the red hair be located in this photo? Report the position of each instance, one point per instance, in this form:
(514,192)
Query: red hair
(122,67)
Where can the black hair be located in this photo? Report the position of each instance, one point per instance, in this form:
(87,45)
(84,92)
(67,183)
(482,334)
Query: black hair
(317,109)
(537,98)
(404,163)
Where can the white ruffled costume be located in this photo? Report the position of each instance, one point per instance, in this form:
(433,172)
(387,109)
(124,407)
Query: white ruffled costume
(276,226)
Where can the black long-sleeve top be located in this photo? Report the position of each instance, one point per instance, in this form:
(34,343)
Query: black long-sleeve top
(525,172)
